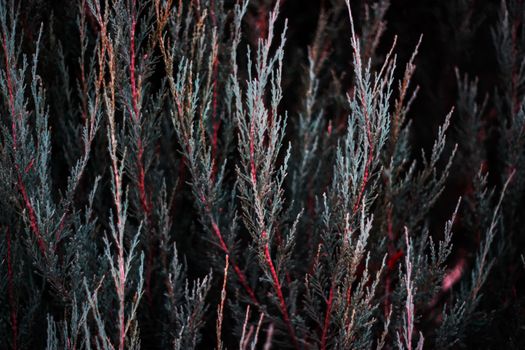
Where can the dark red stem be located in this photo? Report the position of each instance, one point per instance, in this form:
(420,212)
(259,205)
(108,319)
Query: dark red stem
(278,290)
(238,271)
(21,186)
(33,223)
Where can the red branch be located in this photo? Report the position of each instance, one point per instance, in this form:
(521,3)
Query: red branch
(348,297)
(238,271)
(141,185)
(21,186)
(136,117)
(370,154)
(144,200)
(33,223)
(61,226)
(393,259)
(11,293)
(364,182)
(278,290)
(252,152)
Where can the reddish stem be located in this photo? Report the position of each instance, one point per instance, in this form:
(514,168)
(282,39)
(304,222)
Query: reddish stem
(278,290)
(61,226)
(136,117)
(252,152)
(21,186)
(144,200)
(33,223)
(136,112)
(348,295)
(393,259)
(238,271)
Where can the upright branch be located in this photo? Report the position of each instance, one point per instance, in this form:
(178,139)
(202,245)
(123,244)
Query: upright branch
(409,315)
(261,131)
(121,262)
(14,91)
(370,108)
(220,307)
(187,92)
(135,83)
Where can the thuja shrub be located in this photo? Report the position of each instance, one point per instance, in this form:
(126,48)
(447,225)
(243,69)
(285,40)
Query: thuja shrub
(156,192)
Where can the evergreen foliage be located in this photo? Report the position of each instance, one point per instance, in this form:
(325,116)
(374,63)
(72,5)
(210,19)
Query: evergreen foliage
(157,192)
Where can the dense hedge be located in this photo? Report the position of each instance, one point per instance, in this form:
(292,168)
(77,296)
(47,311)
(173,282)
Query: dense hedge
(219,174)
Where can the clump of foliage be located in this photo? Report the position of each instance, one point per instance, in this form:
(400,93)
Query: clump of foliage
(156,192)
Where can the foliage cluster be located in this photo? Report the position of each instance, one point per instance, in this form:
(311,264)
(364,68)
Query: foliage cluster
(155,193)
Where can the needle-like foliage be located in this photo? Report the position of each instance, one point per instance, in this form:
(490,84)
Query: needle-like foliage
(158,190)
